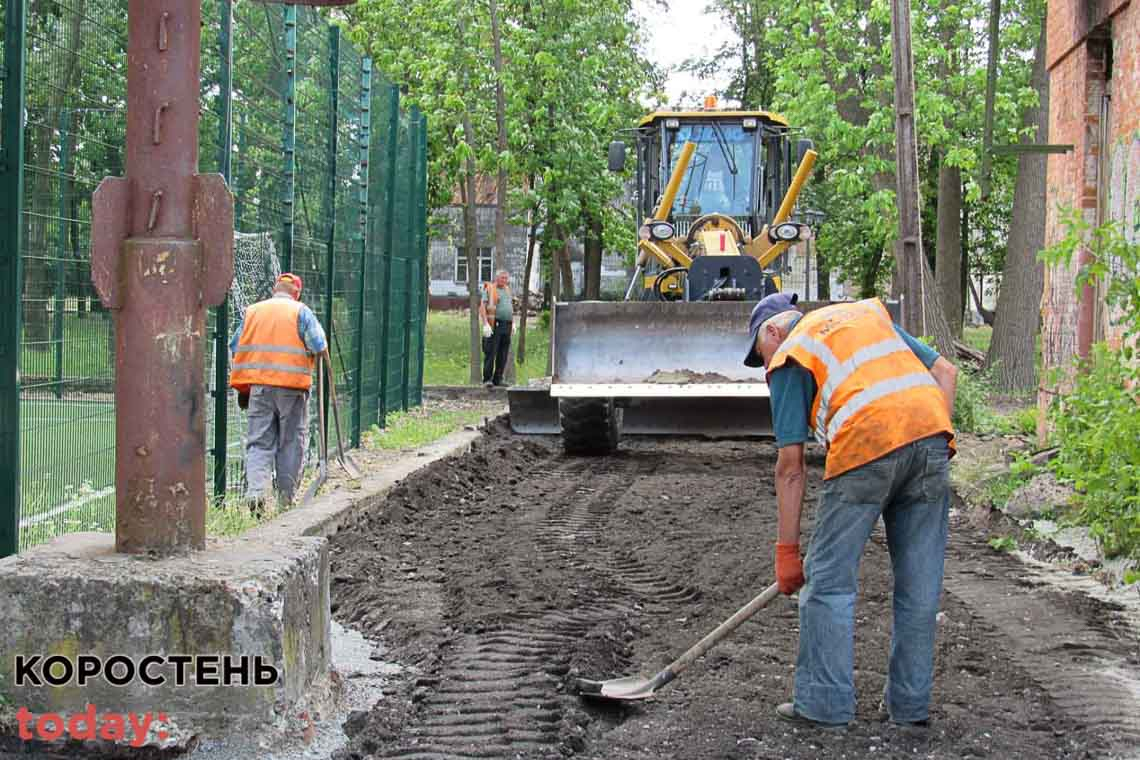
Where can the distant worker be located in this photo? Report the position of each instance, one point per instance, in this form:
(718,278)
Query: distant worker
(881,402)
(274,350)
(496,311)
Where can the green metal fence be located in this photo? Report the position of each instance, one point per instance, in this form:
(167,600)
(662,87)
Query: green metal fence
(329,179)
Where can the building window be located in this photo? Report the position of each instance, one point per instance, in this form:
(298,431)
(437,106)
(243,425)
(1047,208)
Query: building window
(485,264)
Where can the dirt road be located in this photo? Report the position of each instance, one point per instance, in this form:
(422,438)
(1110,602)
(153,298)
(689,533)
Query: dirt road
(499,577)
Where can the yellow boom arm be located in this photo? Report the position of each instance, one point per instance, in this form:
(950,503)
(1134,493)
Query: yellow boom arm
(665,252)
(769,255)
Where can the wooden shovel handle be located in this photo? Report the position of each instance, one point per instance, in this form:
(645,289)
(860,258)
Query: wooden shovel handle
(712,639)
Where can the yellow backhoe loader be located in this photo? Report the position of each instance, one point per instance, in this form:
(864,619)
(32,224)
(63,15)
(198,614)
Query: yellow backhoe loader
(716,190)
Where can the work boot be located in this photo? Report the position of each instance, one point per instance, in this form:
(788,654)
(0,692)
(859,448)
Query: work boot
(256,506)
(905,725)
(787,711)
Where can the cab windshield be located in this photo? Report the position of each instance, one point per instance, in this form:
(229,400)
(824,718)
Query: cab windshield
(719,175)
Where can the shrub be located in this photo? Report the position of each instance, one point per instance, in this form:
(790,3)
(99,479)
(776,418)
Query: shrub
(972,413)
(1097,424)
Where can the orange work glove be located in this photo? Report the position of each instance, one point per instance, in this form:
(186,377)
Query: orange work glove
(789,568)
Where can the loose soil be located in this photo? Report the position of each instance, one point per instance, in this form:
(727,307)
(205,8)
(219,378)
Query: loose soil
(501,576)
(684,376)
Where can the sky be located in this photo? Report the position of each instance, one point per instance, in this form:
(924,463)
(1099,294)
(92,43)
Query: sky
(682,32)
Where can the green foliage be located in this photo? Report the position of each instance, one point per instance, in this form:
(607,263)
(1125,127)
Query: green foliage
(572,75)
(1097,423)
(978,337)
(1001,488)
(1003,543)
(231,517)
(418,427)
(1019,422)
(1097,426)
(1131,576)
(972,412)
(826,65)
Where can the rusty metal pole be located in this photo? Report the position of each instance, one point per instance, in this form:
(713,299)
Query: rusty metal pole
(161,254)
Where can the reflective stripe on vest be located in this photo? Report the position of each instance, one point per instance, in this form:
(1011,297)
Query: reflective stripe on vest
(270,350)
(873,395)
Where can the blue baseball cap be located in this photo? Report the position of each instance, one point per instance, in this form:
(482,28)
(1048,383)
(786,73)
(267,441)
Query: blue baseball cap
(769,306)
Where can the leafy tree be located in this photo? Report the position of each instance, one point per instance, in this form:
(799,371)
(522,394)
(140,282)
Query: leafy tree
(529,90)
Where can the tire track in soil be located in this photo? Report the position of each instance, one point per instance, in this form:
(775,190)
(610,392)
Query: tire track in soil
(1086,663)
(500,693)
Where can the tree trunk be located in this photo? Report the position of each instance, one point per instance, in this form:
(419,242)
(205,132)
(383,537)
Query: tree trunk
(592,260)
(567,289)
(824,271)
(1012,357)
(869,279)
(530,240)
(500,257)
(471,252)
(948,249)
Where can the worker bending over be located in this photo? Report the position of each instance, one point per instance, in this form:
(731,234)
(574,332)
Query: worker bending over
(881,402)
(274,350)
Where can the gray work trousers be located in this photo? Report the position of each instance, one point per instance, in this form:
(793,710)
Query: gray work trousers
(276,440)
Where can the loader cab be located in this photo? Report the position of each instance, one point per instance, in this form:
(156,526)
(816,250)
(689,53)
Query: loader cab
(743,165)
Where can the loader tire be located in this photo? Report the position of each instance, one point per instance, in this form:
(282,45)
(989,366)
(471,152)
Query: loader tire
(590,426)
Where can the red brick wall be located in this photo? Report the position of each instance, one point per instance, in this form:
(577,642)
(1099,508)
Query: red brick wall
(1123,181)
(1076,85)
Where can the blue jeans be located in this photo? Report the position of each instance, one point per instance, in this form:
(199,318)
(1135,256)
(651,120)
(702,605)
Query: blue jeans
(910,488)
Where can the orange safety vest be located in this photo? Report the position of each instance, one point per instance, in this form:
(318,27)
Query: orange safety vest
(873,395)
(493,290)
(270,350)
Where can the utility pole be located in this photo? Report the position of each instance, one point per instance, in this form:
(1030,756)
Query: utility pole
(909,253)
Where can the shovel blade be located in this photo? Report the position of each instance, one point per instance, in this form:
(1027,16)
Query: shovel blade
(627,689)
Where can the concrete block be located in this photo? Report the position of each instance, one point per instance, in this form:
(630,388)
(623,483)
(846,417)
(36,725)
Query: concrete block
(264,595)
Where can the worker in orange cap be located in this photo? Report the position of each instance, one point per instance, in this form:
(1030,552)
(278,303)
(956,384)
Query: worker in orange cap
(881,403)
(274,350)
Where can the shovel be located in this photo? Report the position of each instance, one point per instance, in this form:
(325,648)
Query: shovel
(638,687)
(322,442)
(341,455)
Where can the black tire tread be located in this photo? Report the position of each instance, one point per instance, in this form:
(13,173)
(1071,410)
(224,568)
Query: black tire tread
(590,426)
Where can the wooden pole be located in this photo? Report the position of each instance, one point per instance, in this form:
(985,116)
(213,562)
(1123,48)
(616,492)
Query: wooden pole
(909,244)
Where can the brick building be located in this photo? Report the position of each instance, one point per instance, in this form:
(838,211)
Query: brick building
(448,262)
(1094,105)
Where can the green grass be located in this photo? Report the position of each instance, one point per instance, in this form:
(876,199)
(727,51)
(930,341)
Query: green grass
(446,359)
(67,466)
(229,518)
(978,337)
(87,351)
(418,427)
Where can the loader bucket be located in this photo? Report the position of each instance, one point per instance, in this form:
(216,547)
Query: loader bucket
(674,368)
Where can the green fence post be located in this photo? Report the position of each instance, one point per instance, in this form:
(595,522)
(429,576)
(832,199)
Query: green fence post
(329,203)
(222,313)
(410,253)
(421,227)
(11,277)
(239,194)
(365,144)
(289,144)
(389,243)
(61,246)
